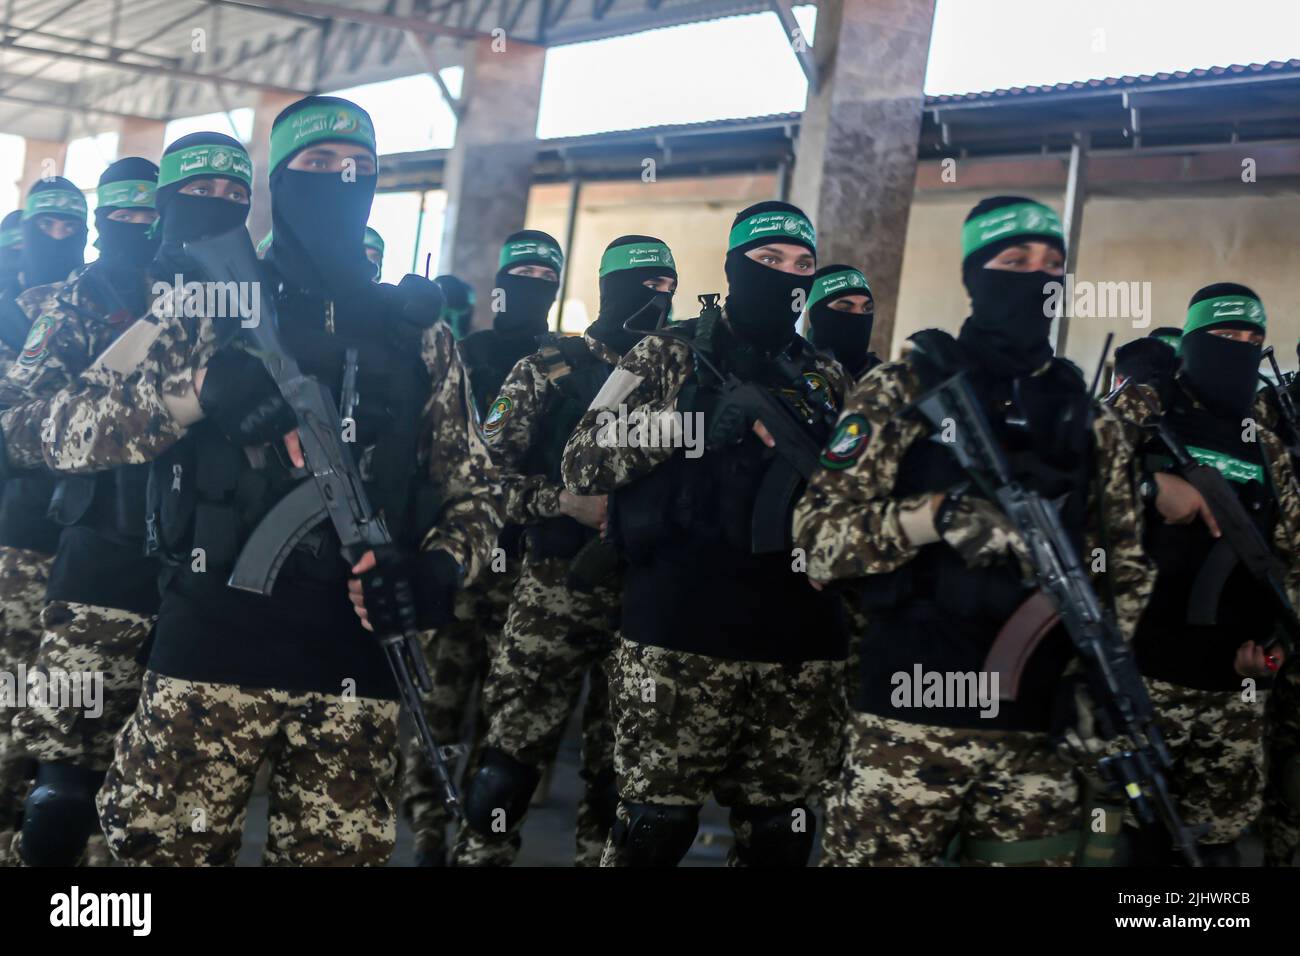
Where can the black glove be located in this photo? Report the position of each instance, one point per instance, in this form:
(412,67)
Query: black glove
(408,591)
(726,423)
(240,396)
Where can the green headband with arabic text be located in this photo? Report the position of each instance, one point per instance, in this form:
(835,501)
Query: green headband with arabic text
(59,202)
(1018,219)
(206,159)
(846,281)
(778,225)
(126,194)
(318,123)
(636,255)
(530,249)
(1223,309)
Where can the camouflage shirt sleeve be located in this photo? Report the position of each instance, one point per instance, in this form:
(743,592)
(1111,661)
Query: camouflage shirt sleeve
(646,384)
(848,520)
(134,401)
(1286,532)
(1116,559)
(458,461)
(510,430)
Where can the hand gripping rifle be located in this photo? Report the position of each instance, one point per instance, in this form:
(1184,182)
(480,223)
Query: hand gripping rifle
(1061,578)
(1241,541)
(335,490)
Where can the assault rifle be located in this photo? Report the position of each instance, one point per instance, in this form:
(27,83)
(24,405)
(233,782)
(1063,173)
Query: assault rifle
(1060,577)
(1241,541)
(334,491)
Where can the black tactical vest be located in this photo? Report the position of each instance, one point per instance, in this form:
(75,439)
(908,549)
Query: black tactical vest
(576,375)
(209,493)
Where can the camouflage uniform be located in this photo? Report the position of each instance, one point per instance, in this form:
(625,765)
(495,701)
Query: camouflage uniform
(128,408)
(554,636)
(72,327)
(759,735)
(178,791)
(1279,824)
(22,594)
(908,786)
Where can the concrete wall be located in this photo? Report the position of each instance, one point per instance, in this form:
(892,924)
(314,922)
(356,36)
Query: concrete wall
(1176,243)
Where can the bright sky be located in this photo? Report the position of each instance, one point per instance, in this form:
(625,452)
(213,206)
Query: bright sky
(743,66)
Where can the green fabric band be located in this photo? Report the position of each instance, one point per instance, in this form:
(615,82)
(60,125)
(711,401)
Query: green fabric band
(1224,308)
(1021,219)
(206,160)
(58,202)
(1234,469)
(849,281)
(374,241)
(1171,340)
(636,255)
(1021,851)
(777,226)
(10,237)
(524,249)
(314,124)
(264,244)
(127,194)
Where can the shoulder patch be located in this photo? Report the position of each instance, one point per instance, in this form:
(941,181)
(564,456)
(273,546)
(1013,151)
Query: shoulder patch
(497,414)
(847,442)
(38,340)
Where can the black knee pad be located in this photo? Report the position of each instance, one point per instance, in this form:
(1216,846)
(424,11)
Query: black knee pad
(774,839)
(59,815)
(500,783)
(602,797)
(657,834)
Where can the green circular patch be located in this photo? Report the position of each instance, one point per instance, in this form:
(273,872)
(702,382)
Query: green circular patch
(847,443)
(497,415)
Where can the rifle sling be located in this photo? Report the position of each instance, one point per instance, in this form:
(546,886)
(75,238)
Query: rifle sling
(1016,642)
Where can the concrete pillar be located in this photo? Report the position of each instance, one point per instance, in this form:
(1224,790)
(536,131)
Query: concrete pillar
(855,165)
(41,158)
(489,171)
(268,108)
(140,137)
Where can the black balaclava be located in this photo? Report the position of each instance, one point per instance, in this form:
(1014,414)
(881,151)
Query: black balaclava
(764,304)
(457,304)
(1222,374)
(319,219)
(11,248)
(1169,334)
(1010,322)
(46,259)
(1149,360)
(627,263)
(183,218)
(129,183)
(846,335)
(526,300)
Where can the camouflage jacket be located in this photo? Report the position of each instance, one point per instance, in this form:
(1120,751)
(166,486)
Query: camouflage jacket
(137,399)
(70,327)
(512,425)
(648,380)
(848,520)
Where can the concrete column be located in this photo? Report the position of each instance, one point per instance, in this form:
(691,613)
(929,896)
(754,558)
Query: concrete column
(42,158)
(268,108)
(855,165)
(489,171)
(140,137)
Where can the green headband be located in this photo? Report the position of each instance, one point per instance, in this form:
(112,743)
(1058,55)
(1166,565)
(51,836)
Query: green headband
(518,249)
(56,201)
(1222,309)
(636,255)
(846,280)
(10,237)
(779,225)
(1172,340)
(127,193)
(1021,219)
(374,241)
(313,124)
(208,159)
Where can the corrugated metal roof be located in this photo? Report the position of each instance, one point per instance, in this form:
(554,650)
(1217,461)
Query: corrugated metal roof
(1119,83)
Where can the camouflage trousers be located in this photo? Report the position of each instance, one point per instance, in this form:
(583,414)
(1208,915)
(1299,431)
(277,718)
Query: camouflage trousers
(690,726)
(1217,743)
(83,639)
(178,790)
(23,575)
(457,656)
(1279,824)
(906,790)
(554,639)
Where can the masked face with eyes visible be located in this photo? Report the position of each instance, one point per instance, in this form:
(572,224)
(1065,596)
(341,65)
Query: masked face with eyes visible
(205,180)
(771,259)
(528,277)
(637,280)
(1222,346)
(53,232)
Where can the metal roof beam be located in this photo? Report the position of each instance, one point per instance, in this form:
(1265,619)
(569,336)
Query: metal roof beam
(803,51)
(335,11)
